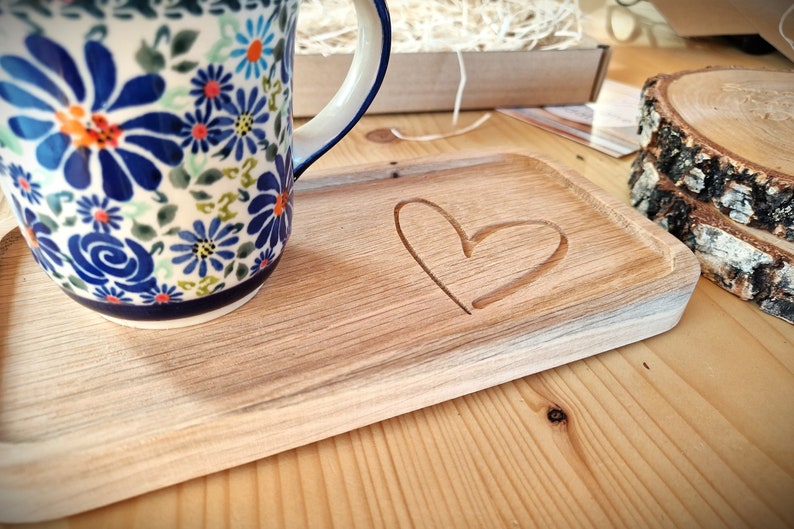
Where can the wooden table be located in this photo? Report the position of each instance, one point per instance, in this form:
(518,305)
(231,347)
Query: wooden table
(692,428)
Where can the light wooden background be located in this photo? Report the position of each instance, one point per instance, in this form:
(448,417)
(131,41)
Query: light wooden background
(693,428)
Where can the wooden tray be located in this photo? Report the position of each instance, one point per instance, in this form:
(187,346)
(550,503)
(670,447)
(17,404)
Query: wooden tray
(374,311)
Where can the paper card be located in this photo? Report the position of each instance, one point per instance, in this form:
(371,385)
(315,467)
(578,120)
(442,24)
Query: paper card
(608,125)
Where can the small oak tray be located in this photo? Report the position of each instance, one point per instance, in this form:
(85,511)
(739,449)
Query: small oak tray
(403,285)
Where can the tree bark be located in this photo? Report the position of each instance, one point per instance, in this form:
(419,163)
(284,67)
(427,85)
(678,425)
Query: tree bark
(726,136)
(715,169)
(747,262)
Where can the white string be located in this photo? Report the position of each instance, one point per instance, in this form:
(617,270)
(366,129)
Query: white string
(328,27)
(439,136)
(461,87)
(455,113)
(786,13)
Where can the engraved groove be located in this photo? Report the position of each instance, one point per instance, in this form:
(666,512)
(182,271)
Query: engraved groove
(469,243)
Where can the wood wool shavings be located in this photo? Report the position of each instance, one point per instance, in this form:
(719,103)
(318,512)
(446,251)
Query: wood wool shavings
(328,27)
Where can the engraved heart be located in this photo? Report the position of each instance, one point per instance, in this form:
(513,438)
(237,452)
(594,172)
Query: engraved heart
(509,255)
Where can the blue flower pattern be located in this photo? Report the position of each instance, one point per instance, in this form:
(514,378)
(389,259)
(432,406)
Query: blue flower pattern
(206,245)
(38,237)
(98,212)
(212,87)
(111,294)
(73,132)
(263,260)
(255,47)
(202,132)
(272,208)
(246,116)
(162,294)
(115,143)
(24,183)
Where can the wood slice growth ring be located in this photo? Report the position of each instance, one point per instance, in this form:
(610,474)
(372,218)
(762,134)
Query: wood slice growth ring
(716,169)
(725,135)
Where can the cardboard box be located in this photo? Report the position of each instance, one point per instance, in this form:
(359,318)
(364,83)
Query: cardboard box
(694,18)
(423,82)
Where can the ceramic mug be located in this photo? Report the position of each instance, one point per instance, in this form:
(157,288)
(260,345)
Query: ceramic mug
(147,147)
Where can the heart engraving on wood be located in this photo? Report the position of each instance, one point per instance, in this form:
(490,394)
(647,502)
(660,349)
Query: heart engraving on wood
(539,246)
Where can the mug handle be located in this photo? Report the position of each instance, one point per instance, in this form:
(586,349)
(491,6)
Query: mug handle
(315,137)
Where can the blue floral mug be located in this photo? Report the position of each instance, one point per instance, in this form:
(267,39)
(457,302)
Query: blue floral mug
(147,146)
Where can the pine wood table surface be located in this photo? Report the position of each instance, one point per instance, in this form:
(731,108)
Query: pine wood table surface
(690,428)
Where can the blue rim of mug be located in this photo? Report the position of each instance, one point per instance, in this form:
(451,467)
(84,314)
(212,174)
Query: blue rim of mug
(182,309)
(385,20)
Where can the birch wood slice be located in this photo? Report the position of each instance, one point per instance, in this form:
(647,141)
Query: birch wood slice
(748,262)
(726,136)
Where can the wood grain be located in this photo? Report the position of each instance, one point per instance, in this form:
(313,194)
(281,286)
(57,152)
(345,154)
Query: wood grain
(743,111)
(691,428)
(652,440)
(349,317)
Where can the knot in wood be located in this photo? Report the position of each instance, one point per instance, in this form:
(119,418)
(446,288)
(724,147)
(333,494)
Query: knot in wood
(556,415)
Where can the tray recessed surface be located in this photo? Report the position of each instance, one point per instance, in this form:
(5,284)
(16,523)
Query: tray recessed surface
(402,286)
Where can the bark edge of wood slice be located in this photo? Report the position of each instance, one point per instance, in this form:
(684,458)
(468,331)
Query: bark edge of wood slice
(750,263)
(723,135)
